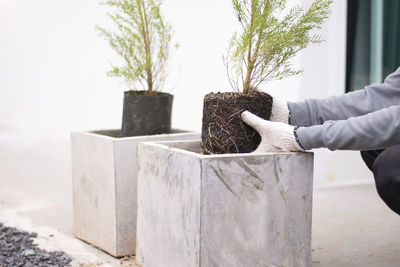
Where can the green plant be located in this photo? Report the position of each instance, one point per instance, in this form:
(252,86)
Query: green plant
(269,39)
(142,39)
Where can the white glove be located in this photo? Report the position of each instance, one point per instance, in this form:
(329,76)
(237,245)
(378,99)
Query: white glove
(280,111)
(275,136)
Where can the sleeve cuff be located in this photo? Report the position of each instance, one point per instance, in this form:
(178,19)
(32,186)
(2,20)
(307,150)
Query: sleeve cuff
(299,114)
(310,137)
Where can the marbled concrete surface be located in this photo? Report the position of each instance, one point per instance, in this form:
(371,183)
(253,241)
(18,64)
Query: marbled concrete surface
(104,175)
(223,210)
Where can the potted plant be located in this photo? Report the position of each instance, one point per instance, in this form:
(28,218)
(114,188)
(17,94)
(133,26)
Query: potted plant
(261,52)
(143,41)
(104,164)
(237,209)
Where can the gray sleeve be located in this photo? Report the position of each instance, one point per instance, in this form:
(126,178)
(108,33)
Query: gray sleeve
(374,97)
(379,129)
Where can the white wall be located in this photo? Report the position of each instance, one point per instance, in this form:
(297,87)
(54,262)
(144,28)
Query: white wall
(324,75)
(52,67)
(325,64)
(53,64)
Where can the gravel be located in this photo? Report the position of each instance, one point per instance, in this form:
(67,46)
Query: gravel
(17,250)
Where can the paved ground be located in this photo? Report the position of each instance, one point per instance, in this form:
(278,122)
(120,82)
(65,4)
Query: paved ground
(351,226)
(36,194)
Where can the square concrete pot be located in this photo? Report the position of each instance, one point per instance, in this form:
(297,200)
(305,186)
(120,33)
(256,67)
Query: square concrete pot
(222,210)
(104,176)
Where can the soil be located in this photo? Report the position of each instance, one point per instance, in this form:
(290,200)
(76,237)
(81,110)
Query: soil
(145,114)
(223,130)
(17,250)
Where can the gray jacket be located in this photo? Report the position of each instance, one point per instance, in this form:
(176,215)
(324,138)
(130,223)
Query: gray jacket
(362,120)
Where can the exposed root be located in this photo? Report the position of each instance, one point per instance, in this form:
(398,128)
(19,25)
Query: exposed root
(223,129)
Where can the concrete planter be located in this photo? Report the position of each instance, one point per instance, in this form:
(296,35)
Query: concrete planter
(222,210)
(104,173)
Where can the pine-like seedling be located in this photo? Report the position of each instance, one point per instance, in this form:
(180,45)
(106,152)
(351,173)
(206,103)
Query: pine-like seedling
(142,39)
(262,51)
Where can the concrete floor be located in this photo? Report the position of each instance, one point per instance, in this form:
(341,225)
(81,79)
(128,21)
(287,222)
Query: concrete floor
(351,225)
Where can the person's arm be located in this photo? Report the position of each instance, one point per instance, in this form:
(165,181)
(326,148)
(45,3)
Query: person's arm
(377,130)
(374,97)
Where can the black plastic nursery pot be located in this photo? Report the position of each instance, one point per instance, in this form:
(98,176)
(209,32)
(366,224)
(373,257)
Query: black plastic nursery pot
(146,114)
(223,130)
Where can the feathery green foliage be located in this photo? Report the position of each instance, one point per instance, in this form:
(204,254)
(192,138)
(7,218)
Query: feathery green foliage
(142,39)
(269,39)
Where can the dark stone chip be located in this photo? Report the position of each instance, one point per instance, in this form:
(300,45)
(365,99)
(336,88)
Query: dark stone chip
(13,247)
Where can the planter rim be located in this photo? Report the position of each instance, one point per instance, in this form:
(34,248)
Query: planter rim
(168,145)
(158,93)
(100,134)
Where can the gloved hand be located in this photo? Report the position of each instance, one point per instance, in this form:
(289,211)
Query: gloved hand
(275,136)
(280,111)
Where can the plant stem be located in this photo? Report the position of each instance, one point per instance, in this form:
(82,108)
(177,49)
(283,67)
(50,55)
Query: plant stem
(146,39)
(246,84)
(260,37)
(252,60)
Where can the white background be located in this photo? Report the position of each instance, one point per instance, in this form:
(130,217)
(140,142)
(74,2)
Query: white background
(53,65)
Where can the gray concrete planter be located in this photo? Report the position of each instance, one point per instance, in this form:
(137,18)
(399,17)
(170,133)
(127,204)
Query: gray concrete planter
(222,210)
(104,176)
